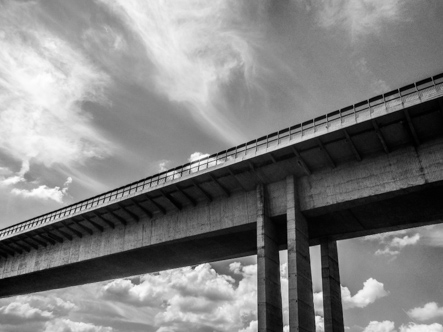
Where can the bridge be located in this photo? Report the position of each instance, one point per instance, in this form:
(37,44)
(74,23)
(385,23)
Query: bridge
(371,167)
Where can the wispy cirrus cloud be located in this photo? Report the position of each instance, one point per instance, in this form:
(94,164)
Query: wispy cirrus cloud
(44,82)
(360,18)
(196,47)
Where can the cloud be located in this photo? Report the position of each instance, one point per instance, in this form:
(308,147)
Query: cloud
(44,192)
(360,18)
(365,74)
(393,242)
(66,325)
(412,327)
(319,324)
(388,326)
(429,311)
(385,326)
(44,82)
(195,299)
(34,308)
(197,155)
(18,312)
(372,290)
(432,235)
(252,327)
(197,47)
(162,166)
(14,179)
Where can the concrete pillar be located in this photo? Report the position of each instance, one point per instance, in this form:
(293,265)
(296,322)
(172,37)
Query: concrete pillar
(301,301)
(332,306)
(268,270)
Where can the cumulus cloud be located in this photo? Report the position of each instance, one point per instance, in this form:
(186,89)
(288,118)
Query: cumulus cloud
(43,192)
(17,312)
(385,326)
(319,324)
(432,236)
(66,325)
(393,242)
(196,47)
(429,311)
(412,327)
(43,83)
(372,290)
(193,298)
(33,309)
(388,326)
(360,18)
(197,155)
(14,179)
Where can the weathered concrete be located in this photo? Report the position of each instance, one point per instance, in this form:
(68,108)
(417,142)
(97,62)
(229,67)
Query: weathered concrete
(268,269)
(332,304)
(390,191)
(360,182)
(219,230)
(301,303)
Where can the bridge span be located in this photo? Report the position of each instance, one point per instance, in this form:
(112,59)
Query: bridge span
(371,167)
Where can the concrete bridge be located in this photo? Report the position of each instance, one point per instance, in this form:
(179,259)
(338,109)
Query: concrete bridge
(371,167)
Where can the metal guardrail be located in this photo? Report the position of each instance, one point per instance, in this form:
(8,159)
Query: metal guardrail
(409,95)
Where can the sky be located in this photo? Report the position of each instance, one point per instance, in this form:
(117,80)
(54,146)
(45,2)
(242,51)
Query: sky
(96,94)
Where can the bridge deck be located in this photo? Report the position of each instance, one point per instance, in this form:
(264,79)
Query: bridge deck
(404,121)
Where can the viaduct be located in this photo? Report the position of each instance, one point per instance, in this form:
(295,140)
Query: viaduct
(371,167)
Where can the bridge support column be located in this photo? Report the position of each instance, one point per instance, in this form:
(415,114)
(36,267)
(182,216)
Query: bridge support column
(268,270)
(332,305)
(301,301)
